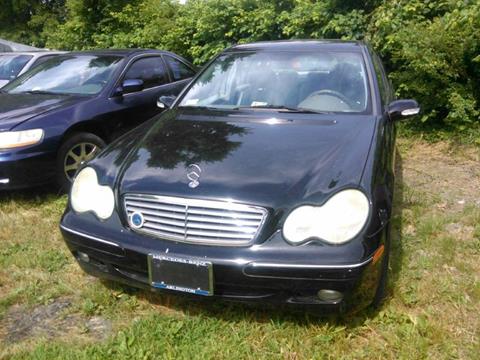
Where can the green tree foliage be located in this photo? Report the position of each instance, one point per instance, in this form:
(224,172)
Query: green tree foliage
(24,20)
(431,47)
(118,23)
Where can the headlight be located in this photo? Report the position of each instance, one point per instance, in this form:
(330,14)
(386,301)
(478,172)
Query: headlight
(88,195)
(14,139)
(336,222)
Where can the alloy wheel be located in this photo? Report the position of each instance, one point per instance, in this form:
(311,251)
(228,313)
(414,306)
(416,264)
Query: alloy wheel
(77,155)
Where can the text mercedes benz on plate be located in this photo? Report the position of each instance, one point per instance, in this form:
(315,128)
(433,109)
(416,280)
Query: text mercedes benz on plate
(270,178)
(63,111)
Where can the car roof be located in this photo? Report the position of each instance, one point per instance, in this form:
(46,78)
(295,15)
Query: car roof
(121,52)
(32,53)
(300,45)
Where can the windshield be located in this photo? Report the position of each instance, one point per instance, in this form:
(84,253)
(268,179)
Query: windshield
(317,81)
(69,74)
(11,65)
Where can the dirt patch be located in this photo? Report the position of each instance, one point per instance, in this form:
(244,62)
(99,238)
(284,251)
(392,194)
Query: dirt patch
(50,321)
(460,231)
(452,174)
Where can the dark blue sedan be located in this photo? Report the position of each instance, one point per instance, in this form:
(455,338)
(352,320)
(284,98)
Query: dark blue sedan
(64,111)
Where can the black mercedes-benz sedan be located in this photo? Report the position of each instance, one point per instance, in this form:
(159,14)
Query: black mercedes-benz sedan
(270,178)
(63,111)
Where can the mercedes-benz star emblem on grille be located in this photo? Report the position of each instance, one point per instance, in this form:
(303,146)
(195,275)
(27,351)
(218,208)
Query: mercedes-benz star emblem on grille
(136,220)
(193,174)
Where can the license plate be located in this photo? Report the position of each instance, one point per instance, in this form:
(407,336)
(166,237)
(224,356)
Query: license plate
(181,274)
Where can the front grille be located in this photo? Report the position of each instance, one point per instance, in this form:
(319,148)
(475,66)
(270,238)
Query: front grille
(195,221)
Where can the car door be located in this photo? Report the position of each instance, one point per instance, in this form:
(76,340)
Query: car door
(141,105)
(180,72)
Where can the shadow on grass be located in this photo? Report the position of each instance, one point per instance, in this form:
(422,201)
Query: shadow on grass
(397,249)
(259,313)
(36,194)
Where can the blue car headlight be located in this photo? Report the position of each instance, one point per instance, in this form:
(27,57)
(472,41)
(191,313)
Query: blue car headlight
(336,222)
(88,195)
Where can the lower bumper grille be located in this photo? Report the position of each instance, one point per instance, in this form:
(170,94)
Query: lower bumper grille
(193,220)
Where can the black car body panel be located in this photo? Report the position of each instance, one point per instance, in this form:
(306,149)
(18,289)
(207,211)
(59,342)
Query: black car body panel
(278,160)
(246,156)
(106,114)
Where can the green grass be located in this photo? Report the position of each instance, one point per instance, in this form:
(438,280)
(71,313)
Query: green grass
(432,309)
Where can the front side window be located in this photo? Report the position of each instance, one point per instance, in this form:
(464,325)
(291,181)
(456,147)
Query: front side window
(179,70)
(323,81)
(67,74)
(11,65)
(151,70)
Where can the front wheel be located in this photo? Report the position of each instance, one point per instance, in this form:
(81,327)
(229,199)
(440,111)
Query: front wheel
(75,150)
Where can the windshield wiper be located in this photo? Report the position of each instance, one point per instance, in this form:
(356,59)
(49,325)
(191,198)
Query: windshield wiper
(282,108)
(42,92)
(201,107)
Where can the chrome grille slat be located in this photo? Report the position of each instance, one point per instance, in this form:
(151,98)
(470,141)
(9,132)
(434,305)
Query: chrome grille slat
(240,229)
(235,215)
(165,228)
(218,220)
(228,206)
(151,206)
(165,221)
(196,221)
(217,234)
(163,214)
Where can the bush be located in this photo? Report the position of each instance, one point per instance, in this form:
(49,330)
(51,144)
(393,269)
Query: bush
(433,55)
(431,47)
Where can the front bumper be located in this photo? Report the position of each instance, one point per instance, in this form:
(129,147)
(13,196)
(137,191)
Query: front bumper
(20,170)
(254,279)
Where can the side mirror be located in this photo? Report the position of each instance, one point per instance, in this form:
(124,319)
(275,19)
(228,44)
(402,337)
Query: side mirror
(165,102)
(130,86)
(402,109)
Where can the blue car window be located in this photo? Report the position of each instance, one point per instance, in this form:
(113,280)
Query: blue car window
(150,69)
(11,65)
(67,74)
(179,70)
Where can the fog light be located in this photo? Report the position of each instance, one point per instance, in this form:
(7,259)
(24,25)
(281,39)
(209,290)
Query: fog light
(83,257)
(330,295)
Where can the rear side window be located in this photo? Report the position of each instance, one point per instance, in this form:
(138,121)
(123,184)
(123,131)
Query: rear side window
(151,70)
(179,70)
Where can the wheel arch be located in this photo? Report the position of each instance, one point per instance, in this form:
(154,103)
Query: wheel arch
(85,126)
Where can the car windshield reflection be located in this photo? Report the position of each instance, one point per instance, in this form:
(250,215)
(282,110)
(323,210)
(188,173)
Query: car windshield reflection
(300,82)
(68,74)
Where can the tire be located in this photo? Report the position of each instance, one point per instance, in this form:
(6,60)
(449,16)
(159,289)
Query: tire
(382,283)
(76,149)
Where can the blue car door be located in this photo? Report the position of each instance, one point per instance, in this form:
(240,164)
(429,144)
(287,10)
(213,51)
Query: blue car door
(139,106)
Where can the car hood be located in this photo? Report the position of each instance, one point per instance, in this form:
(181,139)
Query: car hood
(270,162)
(17,108)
